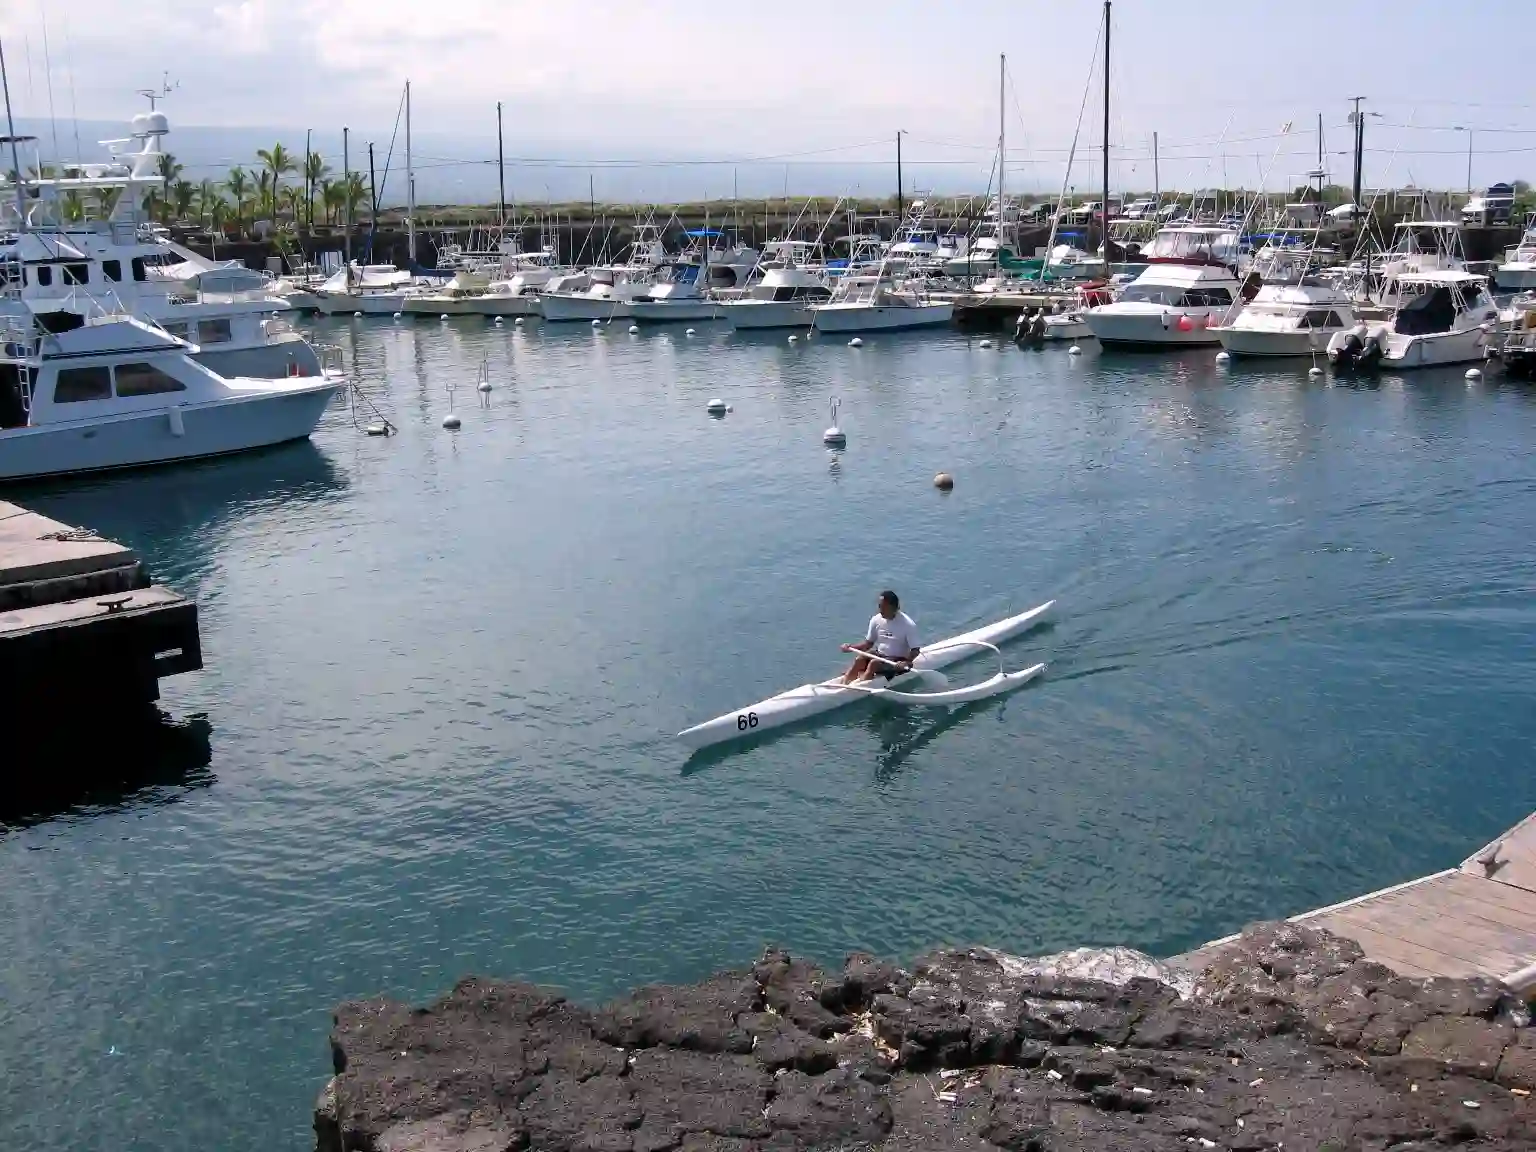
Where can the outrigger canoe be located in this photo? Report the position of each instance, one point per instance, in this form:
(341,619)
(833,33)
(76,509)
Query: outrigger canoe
(813,699)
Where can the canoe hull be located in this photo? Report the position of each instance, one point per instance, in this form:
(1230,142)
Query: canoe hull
(813,699)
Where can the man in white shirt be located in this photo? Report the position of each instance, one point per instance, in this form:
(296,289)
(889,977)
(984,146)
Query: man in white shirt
(891,634)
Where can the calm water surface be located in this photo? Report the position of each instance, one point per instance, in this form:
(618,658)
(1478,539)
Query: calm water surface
(1293,661)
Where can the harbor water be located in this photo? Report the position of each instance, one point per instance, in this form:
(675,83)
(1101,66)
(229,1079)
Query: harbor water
(1292,661)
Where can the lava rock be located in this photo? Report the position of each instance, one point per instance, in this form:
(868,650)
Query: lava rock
(701,1017)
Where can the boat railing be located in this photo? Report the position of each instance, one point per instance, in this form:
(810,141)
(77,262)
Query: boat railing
(331,358)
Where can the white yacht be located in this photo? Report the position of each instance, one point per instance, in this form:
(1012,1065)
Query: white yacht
(791,283)
(121,262)
(1437,317)
(1294,313)
(689,288)
(608,290)
(85,393)
(878,302)
(372,289)
(1187,290)
(1518,272)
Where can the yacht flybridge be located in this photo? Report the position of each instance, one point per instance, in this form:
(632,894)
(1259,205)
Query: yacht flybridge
(1518,272)
(793,280)
(83,394)
(122,263)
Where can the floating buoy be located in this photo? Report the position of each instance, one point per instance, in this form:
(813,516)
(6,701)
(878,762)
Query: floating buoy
(444,316)
(518,321)
(856,342)
(1314,371)
(716,407)
(689,332)
(944,482)
(497,321)
(1223,357)
(986,343)
(793,339)
(597,323)
(1074,351)
(1474,373)
(358,313)
(834,437)
(397,315)
(484,386)
(634,329)
(377,430)
(451,422)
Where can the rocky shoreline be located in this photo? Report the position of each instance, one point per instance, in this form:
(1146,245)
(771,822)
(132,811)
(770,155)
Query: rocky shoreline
(1288,1041)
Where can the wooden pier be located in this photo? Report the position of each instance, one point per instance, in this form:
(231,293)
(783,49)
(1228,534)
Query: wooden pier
(1477,919)
(84,633)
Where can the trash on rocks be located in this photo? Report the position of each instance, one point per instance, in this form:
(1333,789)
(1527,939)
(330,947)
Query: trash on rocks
(1470,1104)
(948,1097)
(1140,1091)
(1255,1083)
(1052,1074)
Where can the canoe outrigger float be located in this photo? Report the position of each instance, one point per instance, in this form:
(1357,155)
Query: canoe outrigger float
(812,699)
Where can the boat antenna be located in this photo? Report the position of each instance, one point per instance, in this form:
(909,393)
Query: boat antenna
(12,139)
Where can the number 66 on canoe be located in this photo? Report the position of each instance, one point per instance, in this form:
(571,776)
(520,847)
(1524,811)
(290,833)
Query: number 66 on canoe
(813,699)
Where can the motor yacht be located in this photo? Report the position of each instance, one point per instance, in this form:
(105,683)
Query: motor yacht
(86,393)
(791,283)
(369,289)
(1188,289)
(876,302)
(1518,272)
(1437,317)
(1294,313)
(605,292)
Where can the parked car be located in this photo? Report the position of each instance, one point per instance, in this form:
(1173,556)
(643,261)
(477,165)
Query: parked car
(1495,206)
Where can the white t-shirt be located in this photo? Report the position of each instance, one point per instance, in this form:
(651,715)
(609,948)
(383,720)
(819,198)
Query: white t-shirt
(895,637)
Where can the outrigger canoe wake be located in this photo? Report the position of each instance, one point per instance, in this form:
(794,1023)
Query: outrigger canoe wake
(882,654)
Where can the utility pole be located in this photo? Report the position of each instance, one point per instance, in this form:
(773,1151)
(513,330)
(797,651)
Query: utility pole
(900,206)
(12,139)
(309,186)
(1469,161)
(1157,184)
(410,187)
(1104,234)
(346,185)
(373,207)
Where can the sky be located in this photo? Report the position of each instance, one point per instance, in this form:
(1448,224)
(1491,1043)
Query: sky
(657,99)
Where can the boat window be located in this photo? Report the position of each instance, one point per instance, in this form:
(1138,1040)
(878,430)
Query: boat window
(1166,294)
(112,269)
(213,332)
(1207,297)
(78,384)
(1321,318)
(44,276)
(177,330)
(77,273)
(139,273)
(141,379)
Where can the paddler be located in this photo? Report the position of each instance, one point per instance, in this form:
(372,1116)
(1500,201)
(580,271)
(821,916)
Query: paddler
(891,634)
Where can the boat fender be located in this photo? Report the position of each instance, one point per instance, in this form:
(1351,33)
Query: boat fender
(178,427)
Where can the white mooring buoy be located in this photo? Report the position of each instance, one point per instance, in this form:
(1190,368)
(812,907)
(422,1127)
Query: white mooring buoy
(986,344)
(717,407)
(856,342)
(444,316)
(451,421)
(634,329)
(518,322)
(834,436)
(793,339)
(1223,357)
(497,321)
(358,313)
(483,383)
(597,323)
(1074,351)
(398,315)
(1314,372)
(944,482)
(1474,373)
(688,332)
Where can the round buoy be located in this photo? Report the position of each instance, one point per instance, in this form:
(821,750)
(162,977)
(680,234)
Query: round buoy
(634,329)
(358,313)
(944,482)
(793,339)
(716,407)
(518,321)
(597,323)
(688,332)
(856,342)
(377,430)
(484,386)
(1314,371)
(1223,357)
(986,343)
(444,316)
(1074,351)
(1474,373)
(451,422)
(397,315)
(834,436)
(497,321)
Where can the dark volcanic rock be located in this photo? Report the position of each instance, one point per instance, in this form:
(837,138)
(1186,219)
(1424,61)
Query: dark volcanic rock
(1289,1040)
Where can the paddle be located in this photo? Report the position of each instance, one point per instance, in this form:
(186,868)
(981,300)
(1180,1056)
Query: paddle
(931,675)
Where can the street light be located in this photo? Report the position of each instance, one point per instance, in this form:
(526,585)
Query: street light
(1470,133)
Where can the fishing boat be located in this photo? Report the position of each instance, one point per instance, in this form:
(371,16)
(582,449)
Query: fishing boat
(813,699)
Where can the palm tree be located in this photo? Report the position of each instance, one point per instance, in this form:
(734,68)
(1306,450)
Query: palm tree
(354,192)
(264,195)
(315,172)
(183,192)
(73,206)
(169,170)
(332,197)
(239,185)
(293,200)
(278,162)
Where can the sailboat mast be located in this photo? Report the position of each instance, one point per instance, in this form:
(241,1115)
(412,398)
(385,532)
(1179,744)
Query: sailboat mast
(1002,149)
(410,186)
(10,128)
(1104,204)
(346,183)
(501,171)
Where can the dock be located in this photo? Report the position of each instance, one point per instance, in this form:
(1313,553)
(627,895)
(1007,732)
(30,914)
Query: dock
(84,631)
(1477,919)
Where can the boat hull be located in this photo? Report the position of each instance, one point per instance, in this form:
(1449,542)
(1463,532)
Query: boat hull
(487,305)
(658,312)
(1151,328)
(1518,277)
(558,306)
(1257,342)
(813,699)
(368,303)
(879,317)
(137,439)
(285,354)
(755,314)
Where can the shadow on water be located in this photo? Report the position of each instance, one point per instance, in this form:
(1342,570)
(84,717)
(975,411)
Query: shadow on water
(143,757)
